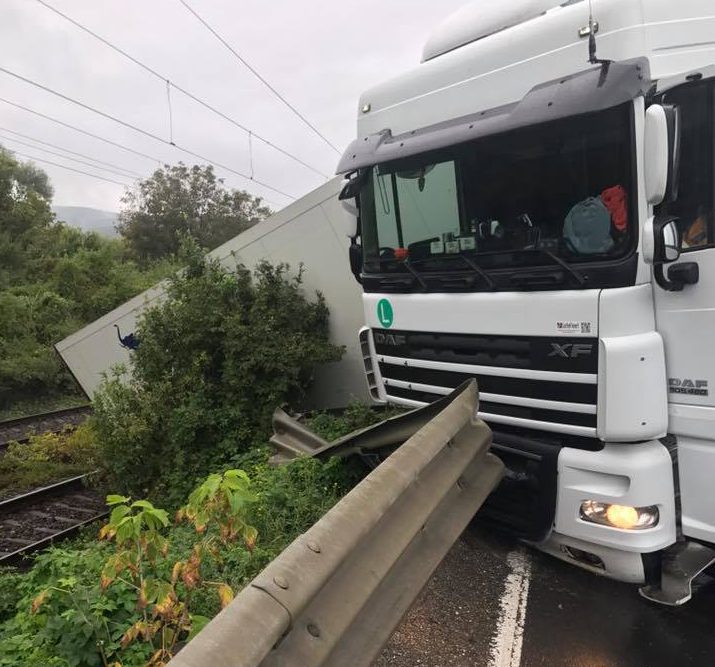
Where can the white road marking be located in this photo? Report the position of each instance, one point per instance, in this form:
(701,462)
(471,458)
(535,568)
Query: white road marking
(505,648)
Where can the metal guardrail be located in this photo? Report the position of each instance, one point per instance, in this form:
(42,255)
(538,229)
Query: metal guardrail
(335,595)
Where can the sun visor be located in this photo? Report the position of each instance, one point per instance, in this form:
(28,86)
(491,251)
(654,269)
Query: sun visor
(596,89)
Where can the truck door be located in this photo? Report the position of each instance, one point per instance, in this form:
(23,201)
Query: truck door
(686,319)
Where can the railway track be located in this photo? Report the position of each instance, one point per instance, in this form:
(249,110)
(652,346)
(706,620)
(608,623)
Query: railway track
(34,520)
(19,430)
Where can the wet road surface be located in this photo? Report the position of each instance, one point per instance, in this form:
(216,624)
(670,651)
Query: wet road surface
(493,603)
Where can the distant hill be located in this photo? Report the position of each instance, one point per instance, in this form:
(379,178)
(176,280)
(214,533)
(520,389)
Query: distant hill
(88,219)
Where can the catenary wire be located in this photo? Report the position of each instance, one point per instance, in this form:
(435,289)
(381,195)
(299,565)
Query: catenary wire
(100,138)
(79,129)
(258,75)
(182,90)
(65,157)
(62,166)
(67,150)
(140,130)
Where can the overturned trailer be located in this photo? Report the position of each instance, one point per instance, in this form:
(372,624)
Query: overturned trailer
(309,232)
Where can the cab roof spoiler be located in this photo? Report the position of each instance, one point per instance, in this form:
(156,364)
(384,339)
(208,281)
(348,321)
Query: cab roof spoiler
(593,90)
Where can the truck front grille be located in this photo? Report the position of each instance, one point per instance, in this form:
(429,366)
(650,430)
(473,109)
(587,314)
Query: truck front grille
(534,382)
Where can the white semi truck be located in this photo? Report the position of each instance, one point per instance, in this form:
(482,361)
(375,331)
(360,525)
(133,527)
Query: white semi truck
(533,206)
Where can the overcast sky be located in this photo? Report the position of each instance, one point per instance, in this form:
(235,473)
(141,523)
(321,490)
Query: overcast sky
(320,54)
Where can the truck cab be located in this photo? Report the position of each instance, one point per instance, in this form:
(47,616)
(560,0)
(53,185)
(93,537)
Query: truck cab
(533,206)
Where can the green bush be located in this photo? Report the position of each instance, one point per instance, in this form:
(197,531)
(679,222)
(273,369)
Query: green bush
(46,458)
(334,425)
(76,613)
(215,359)
(53,279)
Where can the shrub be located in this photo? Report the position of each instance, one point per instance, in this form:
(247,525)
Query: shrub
(47,458)
(116,599)
(215,359)
(331,425)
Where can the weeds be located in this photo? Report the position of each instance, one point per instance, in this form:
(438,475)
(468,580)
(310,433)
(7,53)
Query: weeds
(47,458)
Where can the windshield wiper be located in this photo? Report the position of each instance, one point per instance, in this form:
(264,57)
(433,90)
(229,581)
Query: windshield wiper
(418,276)
(475,268)
(580,278)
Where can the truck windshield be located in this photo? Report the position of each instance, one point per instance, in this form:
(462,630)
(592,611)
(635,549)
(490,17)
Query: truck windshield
(561,191)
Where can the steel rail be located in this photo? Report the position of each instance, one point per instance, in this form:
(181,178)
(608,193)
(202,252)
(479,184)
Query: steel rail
(56,492)
(19,429)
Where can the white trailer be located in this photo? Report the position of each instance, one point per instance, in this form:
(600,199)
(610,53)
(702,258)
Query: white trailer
(308,232)
(517,197)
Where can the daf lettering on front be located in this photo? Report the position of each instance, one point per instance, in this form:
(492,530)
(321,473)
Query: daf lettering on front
(570,350)
(687,386)
(394,340)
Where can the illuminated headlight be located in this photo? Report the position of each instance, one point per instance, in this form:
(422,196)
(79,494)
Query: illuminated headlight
(619,516)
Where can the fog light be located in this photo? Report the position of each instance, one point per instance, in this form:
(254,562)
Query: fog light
(619,516)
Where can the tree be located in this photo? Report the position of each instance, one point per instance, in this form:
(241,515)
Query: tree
(216,357)
(53,279)
(181,200)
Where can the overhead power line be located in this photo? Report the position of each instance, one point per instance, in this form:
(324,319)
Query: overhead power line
(140,130)
(170,84)
(62,166)
(67,150)
(66,157)
(79,129)
(258,75)
(100,138)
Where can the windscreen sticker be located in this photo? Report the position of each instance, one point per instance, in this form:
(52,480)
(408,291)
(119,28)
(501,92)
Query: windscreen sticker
(572,327)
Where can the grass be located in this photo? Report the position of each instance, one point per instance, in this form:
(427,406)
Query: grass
(47,458)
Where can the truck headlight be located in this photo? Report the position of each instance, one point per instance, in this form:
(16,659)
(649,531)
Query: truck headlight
(625,517)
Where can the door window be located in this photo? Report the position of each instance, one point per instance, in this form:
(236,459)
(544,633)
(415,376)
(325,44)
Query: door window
(696,187)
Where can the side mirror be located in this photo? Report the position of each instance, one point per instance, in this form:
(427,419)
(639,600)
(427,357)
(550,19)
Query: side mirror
(662,153)
(664,248)
(349,219)
(667,241)
(355,255)
(661,240)
(349,192)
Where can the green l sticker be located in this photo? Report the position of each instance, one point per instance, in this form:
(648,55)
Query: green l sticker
(384,313)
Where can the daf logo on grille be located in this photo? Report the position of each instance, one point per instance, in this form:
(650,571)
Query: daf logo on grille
(390,339)
(571,350)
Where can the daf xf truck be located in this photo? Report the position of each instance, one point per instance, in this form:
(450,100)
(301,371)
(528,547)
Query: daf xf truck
(533,206)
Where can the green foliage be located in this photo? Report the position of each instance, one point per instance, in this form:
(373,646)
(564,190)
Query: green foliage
(63,628)
(10,593)
(47,458)
(331,425)
(215,359)
(77,620)
(132,604)
(178,200)
(53,279)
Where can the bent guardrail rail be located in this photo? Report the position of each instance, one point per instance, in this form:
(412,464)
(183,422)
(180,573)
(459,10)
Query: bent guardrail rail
(333,597)
(292,439)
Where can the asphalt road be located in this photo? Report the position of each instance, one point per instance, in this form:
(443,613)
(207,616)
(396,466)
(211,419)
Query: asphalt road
(494,603)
